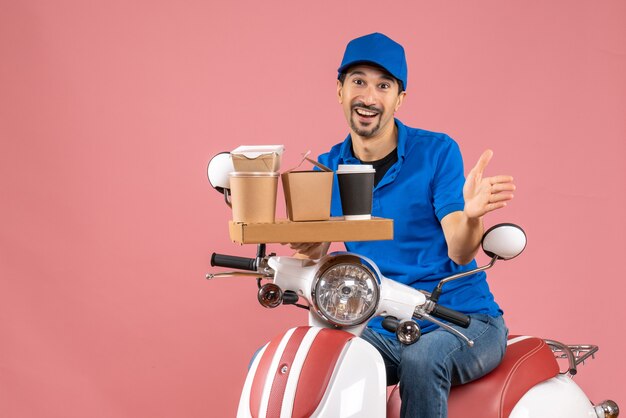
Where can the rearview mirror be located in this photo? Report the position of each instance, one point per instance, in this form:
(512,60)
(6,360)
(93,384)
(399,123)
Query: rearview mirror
(220,166)
(506,241)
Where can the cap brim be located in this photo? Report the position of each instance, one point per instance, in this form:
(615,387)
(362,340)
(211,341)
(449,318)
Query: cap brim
(344,67)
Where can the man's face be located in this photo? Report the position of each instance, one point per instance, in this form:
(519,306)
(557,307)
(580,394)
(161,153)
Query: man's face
(369,97)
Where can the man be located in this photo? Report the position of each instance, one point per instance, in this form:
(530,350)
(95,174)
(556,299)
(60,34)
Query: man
(438,225)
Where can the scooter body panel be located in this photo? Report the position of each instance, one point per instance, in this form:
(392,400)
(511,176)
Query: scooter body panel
(243,410)
(398,300)
(556,397)
(358,385)
(315,372)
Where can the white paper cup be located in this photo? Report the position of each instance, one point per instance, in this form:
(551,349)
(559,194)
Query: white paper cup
(253,196)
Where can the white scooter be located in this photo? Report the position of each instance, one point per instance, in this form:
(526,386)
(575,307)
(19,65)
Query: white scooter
(325,369)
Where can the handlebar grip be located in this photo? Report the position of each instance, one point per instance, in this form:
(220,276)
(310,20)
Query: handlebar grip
(231,261)
(450,315)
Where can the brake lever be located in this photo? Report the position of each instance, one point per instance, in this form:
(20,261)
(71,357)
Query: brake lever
(210,276)
(419,314)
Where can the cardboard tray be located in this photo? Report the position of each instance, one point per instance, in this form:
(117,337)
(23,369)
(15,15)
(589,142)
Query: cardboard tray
(333,230)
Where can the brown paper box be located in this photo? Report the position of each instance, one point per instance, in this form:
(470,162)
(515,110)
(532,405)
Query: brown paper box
(333,230)
(269,162)
(307,194)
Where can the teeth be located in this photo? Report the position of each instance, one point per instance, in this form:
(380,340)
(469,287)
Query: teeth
(365,112)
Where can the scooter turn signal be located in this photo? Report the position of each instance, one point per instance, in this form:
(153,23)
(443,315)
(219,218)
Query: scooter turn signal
(270,295)
(408,332)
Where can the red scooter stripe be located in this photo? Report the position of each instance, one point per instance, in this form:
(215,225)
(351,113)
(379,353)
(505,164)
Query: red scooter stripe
(258,383)
(318,369)
(281,374)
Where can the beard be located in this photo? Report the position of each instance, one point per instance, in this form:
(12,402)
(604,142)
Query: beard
(365,131)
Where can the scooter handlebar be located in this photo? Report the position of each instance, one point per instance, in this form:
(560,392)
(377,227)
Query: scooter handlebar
(450,315)
(231,261)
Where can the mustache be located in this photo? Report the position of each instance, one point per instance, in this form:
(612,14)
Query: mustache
(362,105)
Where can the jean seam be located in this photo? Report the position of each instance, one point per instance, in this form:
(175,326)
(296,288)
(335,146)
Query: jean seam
(488,324)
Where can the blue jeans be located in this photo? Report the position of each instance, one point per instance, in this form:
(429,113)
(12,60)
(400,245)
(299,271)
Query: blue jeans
(427,369)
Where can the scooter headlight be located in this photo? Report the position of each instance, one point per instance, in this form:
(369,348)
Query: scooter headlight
(346,290)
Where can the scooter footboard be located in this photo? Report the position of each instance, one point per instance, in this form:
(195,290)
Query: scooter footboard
(315,372)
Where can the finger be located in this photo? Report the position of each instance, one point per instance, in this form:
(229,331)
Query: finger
(501,197)
(311,252)
(482,162)
(301,245)
(502,187)
(310,245)
(494,206)
(307,248)
(499,179)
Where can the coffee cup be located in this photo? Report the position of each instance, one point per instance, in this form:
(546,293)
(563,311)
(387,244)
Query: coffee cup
(356,183)
(253,196)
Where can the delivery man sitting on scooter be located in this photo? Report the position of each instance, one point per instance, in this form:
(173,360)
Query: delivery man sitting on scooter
(438,225)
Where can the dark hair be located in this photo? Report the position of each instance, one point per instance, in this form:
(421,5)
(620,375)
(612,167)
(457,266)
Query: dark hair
(342,78)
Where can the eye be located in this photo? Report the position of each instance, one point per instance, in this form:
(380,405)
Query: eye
(385,86)
(358,81)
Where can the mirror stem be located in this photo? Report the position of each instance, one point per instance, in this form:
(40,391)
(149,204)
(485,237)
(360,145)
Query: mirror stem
(437,292)
(226,197)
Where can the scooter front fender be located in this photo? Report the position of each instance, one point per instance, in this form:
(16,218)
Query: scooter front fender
(315,372)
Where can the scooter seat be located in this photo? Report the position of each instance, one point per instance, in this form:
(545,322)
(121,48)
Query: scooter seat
(527,362)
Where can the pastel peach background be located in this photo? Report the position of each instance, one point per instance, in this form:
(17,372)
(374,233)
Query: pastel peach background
(110,110)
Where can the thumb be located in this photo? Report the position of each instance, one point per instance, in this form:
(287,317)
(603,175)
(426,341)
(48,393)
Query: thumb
(484,159)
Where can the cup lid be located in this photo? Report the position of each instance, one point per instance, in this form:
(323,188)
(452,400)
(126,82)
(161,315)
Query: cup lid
(253,174)
(355,168)
(253,151)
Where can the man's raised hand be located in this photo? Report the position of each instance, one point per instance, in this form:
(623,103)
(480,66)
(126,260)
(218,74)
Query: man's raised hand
(485,194)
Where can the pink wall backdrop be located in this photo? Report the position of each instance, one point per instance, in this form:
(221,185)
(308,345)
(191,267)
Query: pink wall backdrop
(110,110)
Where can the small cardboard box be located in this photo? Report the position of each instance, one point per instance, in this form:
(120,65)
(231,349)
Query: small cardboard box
(334,230)
(307,194)
(257,158)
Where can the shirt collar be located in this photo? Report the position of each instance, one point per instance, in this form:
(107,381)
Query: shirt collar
(346,155)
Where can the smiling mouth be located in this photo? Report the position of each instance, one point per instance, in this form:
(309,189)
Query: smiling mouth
(365,113)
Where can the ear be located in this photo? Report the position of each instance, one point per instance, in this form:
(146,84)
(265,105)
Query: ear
(339,91)
(399,101)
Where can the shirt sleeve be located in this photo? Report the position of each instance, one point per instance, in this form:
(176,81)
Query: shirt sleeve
(448,181)
(323,159)
(335,202)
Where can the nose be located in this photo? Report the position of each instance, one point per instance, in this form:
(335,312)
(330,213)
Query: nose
(369,96)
